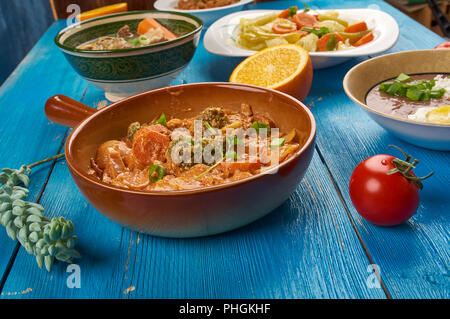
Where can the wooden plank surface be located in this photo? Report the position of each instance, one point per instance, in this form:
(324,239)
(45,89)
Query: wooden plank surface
(25,133)
(414,258)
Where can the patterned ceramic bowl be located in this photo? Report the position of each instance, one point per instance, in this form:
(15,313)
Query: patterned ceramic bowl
(125,72)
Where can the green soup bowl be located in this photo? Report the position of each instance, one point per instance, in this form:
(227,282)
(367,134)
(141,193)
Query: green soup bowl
(126,72)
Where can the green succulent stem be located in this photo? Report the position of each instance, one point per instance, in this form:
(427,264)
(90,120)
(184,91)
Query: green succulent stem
(48,159)
(24,221)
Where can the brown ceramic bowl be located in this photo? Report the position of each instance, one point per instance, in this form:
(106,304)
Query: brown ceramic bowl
(363,77)
(187,213)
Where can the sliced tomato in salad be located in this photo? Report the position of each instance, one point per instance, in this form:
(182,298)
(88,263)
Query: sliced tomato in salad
(304,20)
(289,12)
(283,28)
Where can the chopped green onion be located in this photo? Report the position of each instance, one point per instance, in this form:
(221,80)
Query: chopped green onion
(258,125)
(432,83)
(162,120)
(403,77)
(437,94)
(320,33)
(143,40)
(160,170)
(418,90)
(134,42)
(331,43)
(385,86)
(277,142)
(414,94)
(394,88)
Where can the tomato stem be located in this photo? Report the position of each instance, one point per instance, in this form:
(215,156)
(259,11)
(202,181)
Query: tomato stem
(404,167)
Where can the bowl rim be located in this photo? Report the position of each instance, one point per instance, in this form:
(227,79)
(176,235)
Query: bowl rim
(97,52)
(80,172)
(346,80)
(237,4)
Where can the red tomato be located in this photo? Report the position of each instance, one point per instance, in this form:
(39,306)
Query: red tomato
(380,198)
(445,45)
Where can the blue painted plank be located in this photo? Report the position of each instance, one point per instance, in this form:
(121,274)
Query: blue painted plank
(25,133)
(22,23)
(304,249)
(414,258)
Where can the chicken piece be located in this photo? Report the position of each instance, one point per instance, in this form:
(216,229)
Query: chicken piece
(114,165)
(137,179)
(246,109)
(124,32)
(104,150)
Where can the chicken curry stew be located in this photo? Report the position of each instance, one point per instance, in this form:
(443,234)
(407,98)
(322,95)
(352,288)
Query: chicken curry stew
(215,147)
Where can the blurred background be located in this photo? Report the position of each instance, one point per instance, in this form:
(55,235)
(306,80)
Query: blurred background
(22,22)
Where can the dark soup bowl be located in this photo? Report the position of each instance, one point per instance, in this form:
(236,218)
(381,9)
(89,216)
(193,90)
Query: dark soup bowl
(184,213)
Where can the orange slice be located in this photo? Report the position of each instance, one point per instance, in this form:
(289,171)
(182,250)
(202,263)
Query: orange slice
(285,67)
(114,8)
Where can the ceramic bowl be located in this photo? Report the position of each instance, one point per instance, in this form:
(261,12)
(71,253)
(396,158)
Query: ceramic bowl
(221,37)
(364,76)
(187,213)
(125,72)
(208,16)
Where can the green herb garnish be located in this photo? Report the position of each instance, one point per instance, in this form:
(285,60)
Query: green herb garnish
(292,11)
(437,94)
(403,77)
(258,125)
(162,120)
(320,33)
(41,236)
(160,173)
(277,142)
(420,90)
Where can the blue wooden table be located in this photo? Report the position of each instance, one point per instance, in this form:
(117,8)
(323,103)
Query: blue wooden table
(314,246)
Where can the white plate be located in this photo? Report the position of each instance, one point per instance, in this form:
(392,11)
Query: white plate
(220,39)
(208,16)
